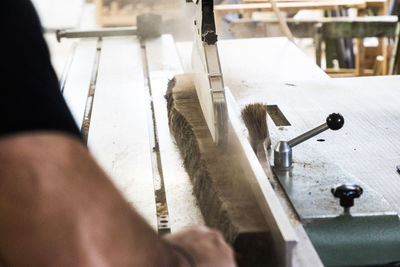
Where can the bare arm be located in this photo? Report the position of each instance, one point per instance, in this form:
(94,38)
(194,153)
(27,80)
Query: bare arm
(58,208)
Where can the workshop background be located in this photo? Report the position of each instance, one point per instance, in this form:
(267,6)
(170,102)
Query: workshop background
(342,57)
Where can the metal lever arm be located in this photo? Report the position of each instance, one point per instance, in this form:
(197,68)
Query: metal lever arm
(334,122)
(148,26)
(97,33)
(304,137)
(283,150)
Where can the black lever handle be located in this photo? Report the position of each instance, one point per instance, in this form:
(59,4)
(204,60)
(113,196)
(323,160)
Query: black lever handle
(335,121)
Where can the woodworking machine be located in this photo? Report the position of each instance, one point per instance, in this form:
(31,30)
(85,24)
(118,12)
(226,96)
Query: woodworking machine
(348,222)
(343,231)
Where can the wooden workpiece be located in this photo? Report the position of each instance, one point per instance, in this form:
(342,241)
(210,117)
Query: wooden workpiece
(224,196)
(124,13)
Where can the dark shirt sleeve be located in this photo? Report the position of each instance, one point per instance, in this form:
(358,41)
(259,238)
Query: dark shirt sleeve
(30,99)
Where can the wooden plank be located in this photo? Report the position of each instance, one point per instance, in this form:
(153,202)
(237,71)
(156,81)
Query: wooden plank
(163,63)
(124,13)
(358,29)
(78,81)
(380,4)
(289,7)
(368,2)
(285,1)
(305,28)
(118,135)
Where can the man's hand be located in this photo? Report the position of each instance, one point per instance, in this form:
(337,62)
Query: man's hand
(207,247)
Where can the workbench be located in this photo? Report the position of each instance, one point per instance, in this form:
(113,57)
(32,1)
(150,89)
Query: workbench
(115,89)
(363,66)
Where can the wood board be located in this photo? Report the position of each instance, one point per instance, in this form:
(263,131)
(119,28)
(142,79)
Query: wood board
(289,7)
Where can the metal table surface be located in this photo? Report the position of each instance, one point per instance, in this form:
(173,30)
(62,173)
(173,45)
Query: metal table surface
(366,151)
(367,147)
(272,71)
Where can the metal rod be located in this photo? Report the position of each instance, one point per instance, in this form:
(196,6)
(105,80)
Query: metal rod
(117,31)
(300,139)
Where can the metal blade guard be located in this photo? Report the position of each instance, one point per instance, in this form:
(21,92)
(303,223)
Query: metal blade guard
(207,72)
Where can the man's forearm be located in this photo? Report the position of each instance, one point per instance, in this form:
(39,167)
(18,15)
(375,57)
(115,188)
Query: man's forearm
(58,208)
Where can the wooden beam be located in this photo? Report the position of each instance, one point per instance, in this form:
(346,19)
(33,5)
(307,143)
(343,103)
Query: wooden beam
(336,27)
(289,7)
(358,29)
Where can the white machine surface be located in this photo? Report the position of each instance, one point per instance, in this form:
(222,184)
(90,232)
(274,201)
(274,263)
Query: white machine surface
(138,152)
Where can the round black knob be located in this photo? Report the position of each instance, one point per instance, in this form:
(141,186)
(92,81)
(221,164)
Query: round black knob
(347,194)
(335,121)
(210,37)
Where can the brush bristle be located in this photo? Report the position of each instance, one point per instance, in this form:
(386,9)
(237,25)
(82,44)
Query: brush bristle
(255,118)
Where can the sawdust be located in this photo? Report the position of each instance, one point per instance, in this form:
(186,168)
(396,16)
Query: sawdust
(162,209)
(226,202)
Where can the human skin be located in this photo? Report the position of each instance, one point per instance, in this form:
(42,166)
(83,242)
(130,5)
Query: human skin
(59,208)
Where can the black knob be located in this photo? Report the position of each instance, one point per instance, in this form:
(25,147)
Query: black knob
(347,194)
(210,37)
(335,121)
